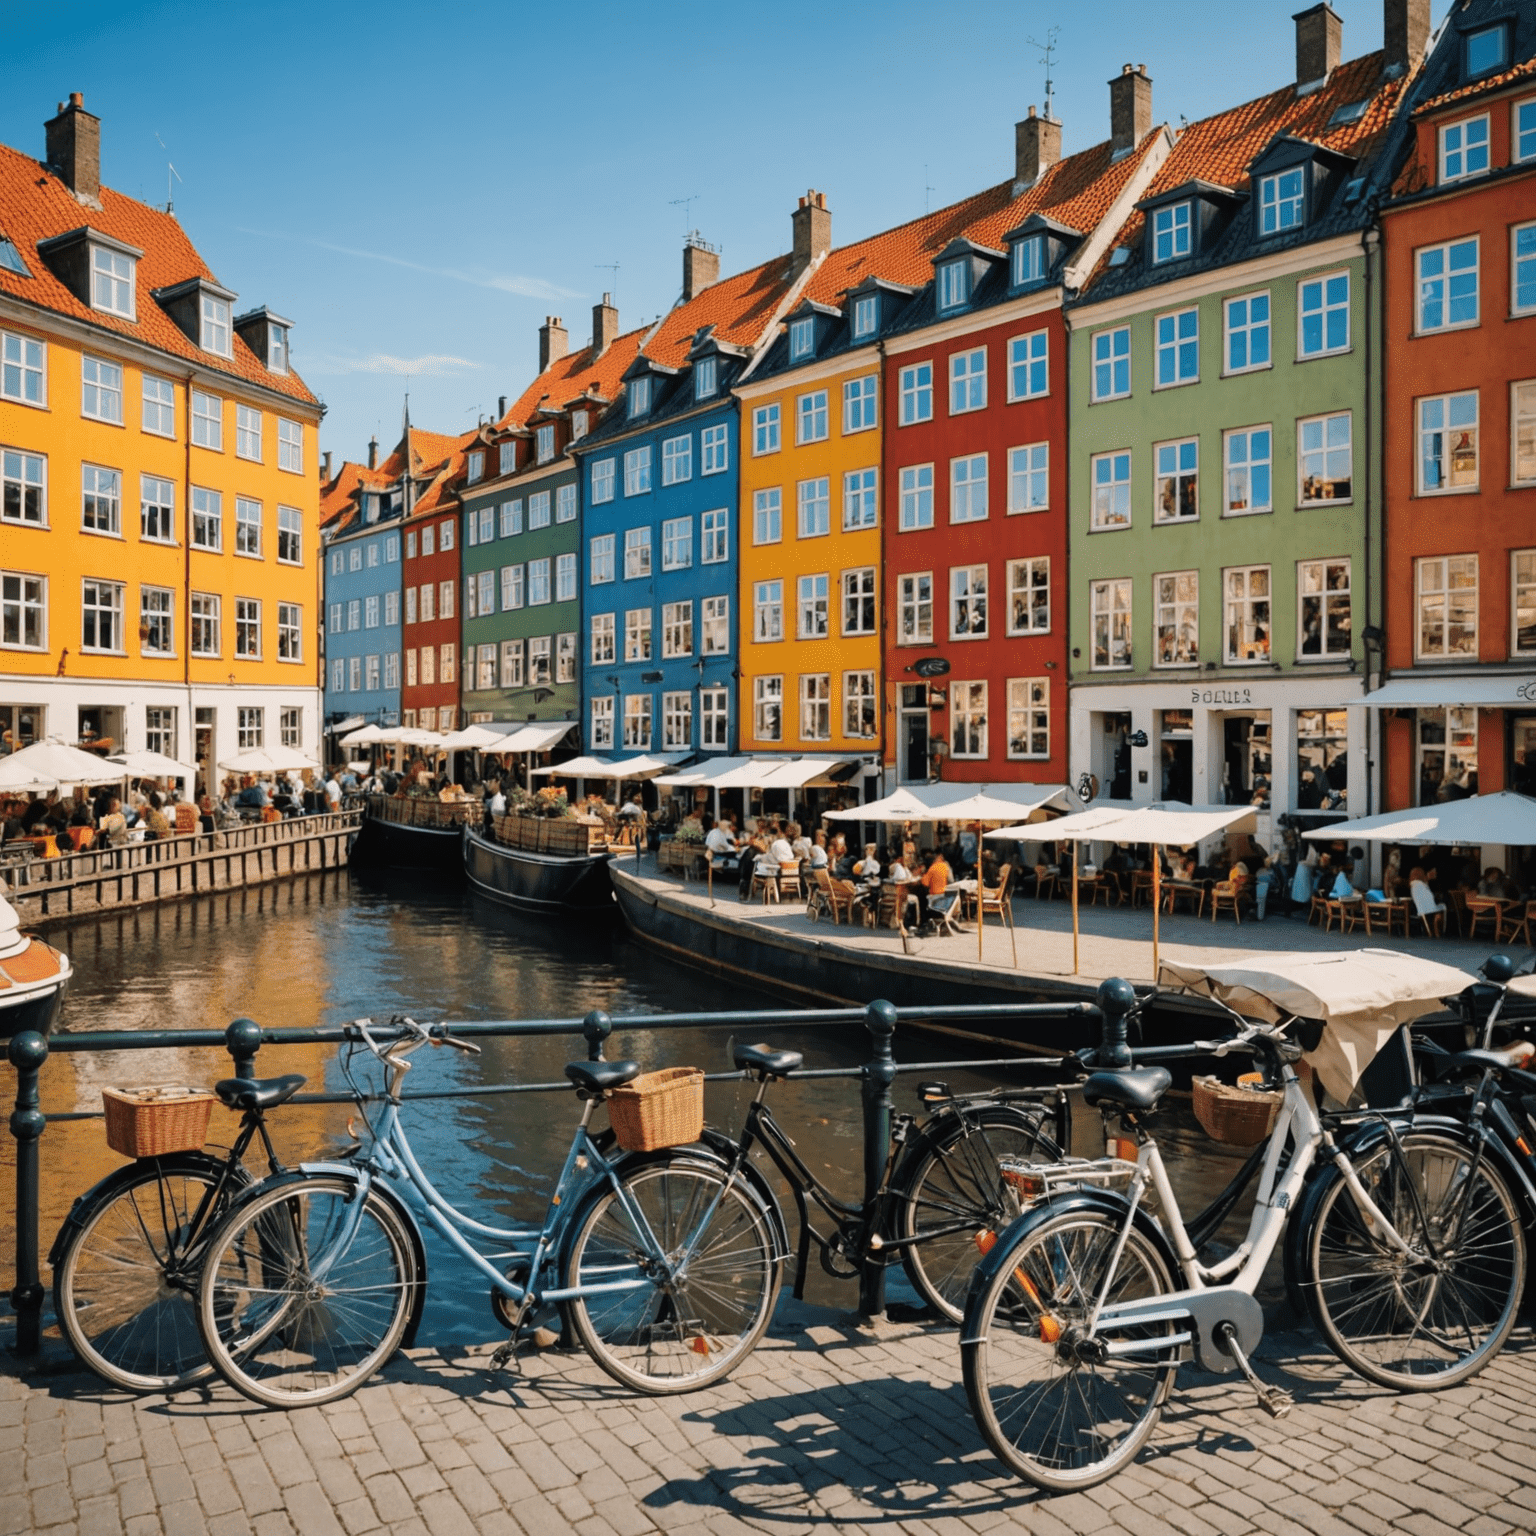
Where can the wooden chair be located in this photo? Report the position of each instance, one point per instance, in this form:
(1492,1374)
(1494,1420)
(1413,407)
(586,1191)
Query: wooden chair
(1141,887)
(894,897)
(1387,915)
(1046,880)
(765,882)
(834,896)
(1349,914)
(1317,909)
(1225,894)
(82,837)
(790,883)
(1484,909)
(1105,888)
(1517,923)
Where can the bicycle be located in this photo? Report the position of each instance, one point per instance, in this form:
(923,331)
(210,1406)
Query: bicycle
(1411,1251)
(668,1271)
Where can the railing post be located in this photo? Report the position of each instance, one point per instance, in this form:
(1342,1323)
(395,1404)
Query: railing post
(878,1075)
(596,1028)
(242,1039)
(1116,999)
(27,1051)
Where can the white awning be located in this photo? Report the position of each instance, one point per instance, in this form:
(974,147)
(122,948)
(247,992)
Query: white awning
(644,767)
(48,764)
(351,723)
(958,802)
(1510,690)
(473,738)
(1502,817)
(797,772)
(700,773)
(154,765)
(533,738)
(364,736)
(746,773)
(1171,823)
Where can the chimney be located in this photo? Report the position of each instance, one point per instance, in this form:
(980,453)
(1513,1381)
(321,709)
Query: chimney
(501,406)
(1319,44)
(74,149)
(1036,148)
(701,267)
(373,453)
(1405,32)
(605,325)
(1130,108)
(812,222)
(325,467)
(553,341)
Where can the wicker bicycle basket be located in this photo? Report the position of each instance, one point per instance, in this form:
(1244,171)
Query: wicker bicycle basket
(658,1109)
(150,1122)
(1242,1116)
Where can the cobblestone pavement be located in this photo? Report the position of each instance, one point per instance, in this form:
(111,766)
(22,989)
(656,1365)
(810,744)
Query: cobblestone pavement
(827,1428)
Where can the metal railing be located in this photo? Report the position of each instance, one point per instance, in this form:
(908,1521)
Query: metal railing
(243,1038)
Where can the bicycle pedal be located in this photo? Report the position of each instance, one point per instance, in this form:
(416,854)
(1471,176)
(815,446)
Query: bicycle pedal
(504,1353)
(1276,1403)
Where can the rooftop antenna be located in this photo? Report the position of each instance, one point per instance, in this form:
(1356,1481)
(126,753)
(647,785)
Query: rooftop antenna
(170,171)
(609,266)
(1047,52)
(928,187)
(686,204)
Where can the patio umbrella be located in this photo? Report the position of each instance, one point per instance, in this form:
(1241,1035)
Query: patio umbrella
(268,760)
(23,780)
(1500,817)
(473,738)
(59,763)
(365,736)
(154,765)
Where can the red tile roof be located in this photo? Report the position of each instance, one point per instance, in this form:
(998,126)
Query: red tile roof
(575,374)
(35,205)
(738,307)
(1510,76)
(426,452)
(444,488)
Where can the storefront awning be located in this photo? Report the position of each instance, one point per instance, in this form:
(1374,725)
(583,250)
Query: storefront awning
(601,768)
(1510,691)
(533,738)
(1502,817)
(351,723)
(703,774)
(798,772)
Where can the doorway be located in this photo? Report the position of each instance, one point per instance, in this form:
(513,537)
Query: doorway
(913,739)
(1115,755)
(1178,755)
(203,751)
(1247,766)
(1521,776)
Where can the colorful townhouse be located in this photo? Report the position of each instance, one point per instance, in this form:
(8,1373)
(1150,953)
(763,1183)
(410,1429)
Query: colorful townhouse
(974,383)
(660,480)
(522,546)
(130,379)
(1459,416)
(1225,491)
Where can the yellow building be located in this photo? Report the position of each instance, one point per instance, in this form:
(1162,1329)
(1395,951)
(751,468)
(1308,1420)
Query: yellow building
(159,490)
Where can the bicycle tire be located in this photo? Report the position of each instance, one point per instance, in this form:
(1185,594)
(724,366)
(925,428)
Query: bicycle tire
(952,1176)
(1050,1417)
(1398,1322)
(124,1272)
(288,1318)
(668,1337)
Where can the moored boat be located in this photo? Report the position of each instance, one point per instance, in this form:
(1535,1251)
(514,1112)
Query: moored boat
(413,832)
(543,864)
(34,977)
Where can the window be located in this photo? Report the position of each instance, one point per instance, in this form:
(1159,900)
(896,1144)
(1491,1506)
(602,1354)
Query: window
(155,631)
(600,560)
(1178,348)
(866,317)
(290,537)
(248,530)
(767,516)
(1029,717)
(1464,149)
(410,676)
(391,670)
(602,480)
(768,708)
(21,487)
(968,602)
(968,381)
(1029,596)
(954,285)
(968,719)
(428,604)
(1485,50)
(474,468)
(1112,364)
(23,611)
(706,373)
(1323,315)
(859,717)
(1447,751)
(677,544)
(205,624)
(1176,619)
(101,616)
(1447,285)
(10,258)
(1247,614)
(802,339)
(1029,478)
(512,518)
(1176,490)
(813,501)
(1325,459)
(677,721)
(639,396)
(445,592)
(915,599)
(565,578)
(714,626)
(1282,201)
(248,628)
(336,619)
(813,618)
(160,730)
(484,672)
(1525,130)
(637,720)
(290,633)
(391,544)
(637,553)
(637,634)
(101,390)
(1111,490)
(714,450)
(811,417)
(410,605)
(247,433)
(277,360)
(1323,616)
(859,601)
(1247,328)
(677,629)
(1110,616)
(860,404)
(290,446)
(538,583)
(506,458)
(565,657)
(768,610)
(538,510)
(1170,233)
(355,558)
(916,393)
(815,706)
(861,507)
(602,723)
(112,281)
(714,717)
(1522,431)
(21,369)
(1522,297)
(373,553)
(480,594)
(101,499)
(159,406)
(1447,608)
(637,473)
(714,536)
(250,731)
(602,638)
(677,460)
(512,663)
(446,655)
(1523,604)
(1029,261)
(1448,443)
(410,545)
(917,497)
(1028,366)
(391,608)
(765,429)
(1248,464)
(207,421)
(215,325)
(968,489)
(543,443)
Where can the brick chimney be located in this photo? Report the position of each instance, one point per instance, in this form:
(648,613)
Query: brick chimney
(1404,32)
(1036,148)
(1130,108)
(812,222)
(701,267)
(74,149)
(373,453)
(605,325)
(1319,44)
(325,467)
(553,341)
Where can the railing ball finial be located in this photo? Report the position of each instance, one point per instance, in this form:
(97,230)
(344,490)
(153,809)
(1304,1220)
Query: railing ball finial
(1116,999)
(242,1039)
(596,1028)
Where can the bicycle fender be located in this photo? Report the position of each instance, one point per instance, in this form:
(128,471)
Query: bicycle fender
(948,1122)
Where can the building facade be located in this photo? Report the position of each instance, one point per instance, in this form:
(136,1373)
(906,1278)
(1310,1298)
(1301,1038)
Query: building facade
(430,624)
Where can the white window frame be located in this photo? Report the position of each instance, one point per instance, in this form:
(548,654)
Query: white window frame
(1439,567)
(815,706)
(916,497)
(207,424)
(214,330)
(677,544)
(600,729)
(1327,307)
(768,515)
(23,479)
(1447,432)
(913,607)
(1175,610)
(813,508)
(861,714)
(677,721)
(968,591)
(1302,424)
(114,281)
(715,449)
(969,477)
(1029,716)
(207,613)
(157,509)
(209,515)
(602,481)
(706,378)
(714,625)
(715,536)
(639,635)
(968,711)
(1442,281)
(1029,479)
(1029,364)
(1465,149)
(1021,578)
(677,459)
(155,604)
(813,606)
(1180,471)
(248,530)
(290,445)
(1174,347)
(1177,232)
(604,639)
(802,338)
(953,285)
(101,389)
(768,698)
(866,316)
(812,423)
(1247,328)
(1107,361)
(1104,603)
(1522,583)
(1325,596)
(861,404)
(638,714)
(1522,431)
(290,631)
(714,717)
(968,381)
(637,472)
(101,496)
(1246,607)
(1111,522)
(248,432)
(157,406)
(766,429)
(540,592)
(916,393)
(767,612)
(248,627)
(637,553)
(290,533)
(24,369)
(1275,203)
(860,600)
(601,558)
(1247,467)
(861,499)
(677,628)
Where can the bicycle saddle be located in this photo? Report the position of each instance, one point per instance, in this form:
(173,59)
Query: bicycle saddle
(1516,1055)
(258,1092)
(600,1076)
(1131,1088)
(766,1061)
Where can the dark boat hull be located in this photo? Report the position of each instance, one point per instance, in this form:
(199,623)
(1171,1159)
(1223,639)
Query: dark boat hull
(537,882)
(390,845)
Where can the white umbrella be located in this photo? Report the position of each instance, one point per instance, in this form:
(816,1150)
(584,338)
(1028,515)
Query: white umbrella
(580,768)
(154,765)
(1501,817)
(364,736)
(23,780)
(267,760)
(900,805)
(60,763)
(473,738)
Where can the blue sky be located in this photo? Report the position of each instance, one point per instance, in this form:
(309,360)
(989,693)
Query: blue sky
(417,186)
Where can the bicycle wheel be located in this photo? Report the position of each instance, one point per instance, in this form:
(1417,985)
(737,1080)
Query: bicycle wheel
(1417,1322)
(1053,1405)
(304,1295)
(953,1196)
(125,1279)
(674,1331)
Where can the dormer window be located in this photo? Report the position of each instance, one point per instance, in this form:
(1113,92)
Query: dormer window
(1487,49)
(476,466)
(954,285)
(214,325)
(581,424)
(866,317)
(506,458)
(1464,149)
(10,258)
(706,375)
(544,442)
(1282,201)
(639,396)
(112,283)
(1171,232)
(802,339)
(277,349)
(1029,261)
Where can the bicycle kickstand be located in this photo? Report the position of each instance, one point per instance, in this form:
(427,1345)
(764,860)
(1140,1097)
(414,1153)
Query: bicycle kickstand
(1275,1401)
(508,1351)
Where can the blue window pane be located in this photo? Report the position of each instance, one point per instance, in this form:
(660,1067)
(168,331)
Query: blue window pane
(1187,454)
(1525,131)
(1525,265)
(1338,329)
(1485,51)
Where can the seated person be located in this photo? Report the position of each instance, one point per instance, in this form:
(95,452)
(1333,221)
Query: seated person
(867,870)
(721,846)
(840,858)
(1343,888)
(932,885)
(748,853)
(800,844)
(1424,902)
(253,796)
(1494,883)
(781,850)
(114,825)
(158,823)
(818,854)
